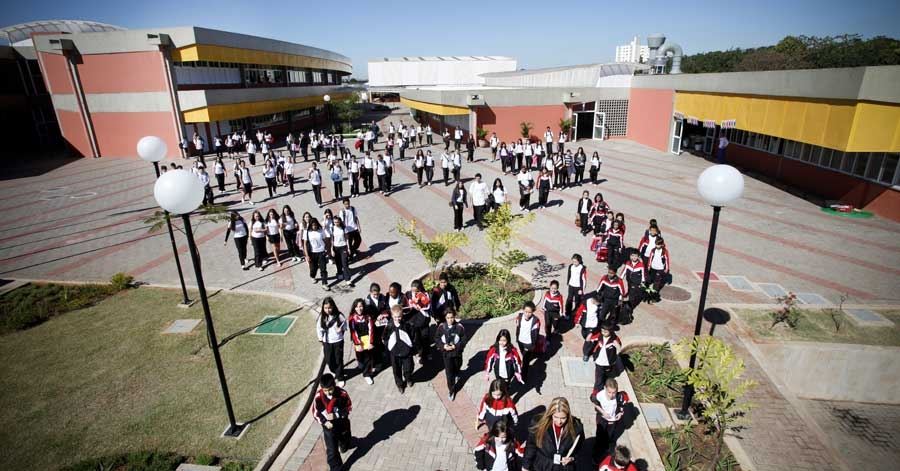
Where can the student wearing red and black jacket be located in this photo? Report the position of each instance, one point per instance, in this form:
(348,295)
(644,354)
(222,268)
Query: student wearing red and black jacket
(419,304)
(444,296)
(496,405)
(583,212)
(588,317)
(450,339)
(378,309)
(615,242)
(362,334)
(331,408)
(658,265)
(610,404)
(620,460)
(499,444)
(552,305)
(635,276)
(612,291)
(576,277)
(503,360)
(647,243)
(606,353)
(528,336)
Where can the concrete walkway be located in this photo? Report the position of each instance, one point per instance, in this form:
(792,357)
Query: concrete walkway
(83,221)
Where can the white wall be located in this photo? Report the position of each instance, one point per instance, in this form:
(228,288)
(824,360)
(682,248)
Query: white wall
(437,72)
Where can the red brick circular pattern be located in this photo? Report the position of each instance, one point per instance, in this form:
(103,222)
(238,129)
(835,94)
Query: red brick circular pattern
(674,293)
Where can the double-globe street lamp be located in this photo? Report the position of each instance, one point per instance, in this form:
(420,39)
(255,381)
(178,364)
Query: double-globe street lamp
(718,185)
(180,192)
(153,149)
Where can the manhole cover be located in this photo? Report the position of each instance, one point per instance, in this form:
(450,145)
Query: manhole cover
(675,293)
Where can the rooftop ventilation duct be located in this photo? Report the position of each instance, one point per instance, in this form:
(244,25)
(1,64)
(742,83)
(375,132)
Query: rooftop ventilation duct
(659,50)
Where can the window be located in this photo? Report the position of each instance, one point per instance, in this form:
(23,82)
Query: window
(774,145)
(836,158)
(824,157)
(317,77)
(789,147)
(889,168)
(847,163)
(874,168)
(859,166)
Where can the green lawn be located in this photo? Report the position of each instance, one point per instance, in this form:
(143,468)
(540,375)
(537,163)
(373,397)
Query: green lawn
(104,380)
(816,325)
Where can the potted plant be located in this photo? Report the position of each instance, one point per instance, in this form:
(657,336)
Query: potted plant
(565,126)
(526,127)
(482,134)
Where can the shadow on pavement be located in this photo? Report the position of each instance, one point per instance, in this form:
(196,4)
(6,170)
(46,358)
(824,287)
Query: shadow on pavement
(383,429)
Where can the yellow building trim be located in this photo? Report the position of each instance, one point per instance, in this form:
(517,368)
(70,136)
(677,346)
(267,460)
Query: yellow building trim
(433,108)
(229,111)
(207,52)
(843,125)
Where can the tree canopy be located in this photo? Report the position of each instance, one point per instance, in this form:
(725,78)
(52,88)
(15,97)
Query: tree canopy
(799,52)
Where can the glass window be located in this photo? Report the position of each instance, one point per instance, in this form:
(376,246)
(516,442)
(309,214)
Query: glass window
(774,145)
(836,159)
(874,168)
(789,148)
(847,163)
(807,151)
(859,166)
(889,168)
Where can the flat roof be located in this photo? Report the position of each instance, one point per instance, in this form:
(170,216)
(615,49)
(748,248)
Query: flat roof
(443,59)
(614,68)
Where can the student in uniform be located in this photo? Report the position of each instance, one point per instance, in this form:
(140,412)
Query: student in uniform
(658,262)
(398,339)
(610,405)
(339,246)
(362,334)
(381,173)
(554,440)
(450,339)
(428,132)
(576,277)
(219,171)
(289,176)
(354,168)
(446,164)
(561,142)
(456,161)
(615,243)
(204,180)
(331,409)
(418,304)
(273,233)
(470,148)
(585,205)
(620,460)
(496,405)
(378,309)
(588,317)
(352,228)
(258,237)
(503,360)
(552,304)
(580,163)
(596,162)
(605,353)
(495,142)
(251,152)
(498,449)
(612,291)
(519,152)
(526,186)
(337,178)
(458,201)
(446,137)
(239,227)
(505,157)
(419,166)
(429,166)
(289,228)
(548,140)
(545,181)
(315,180)
(498,194)
(528,336)
(236,172)
(648,243)
(457,139)
(598,214)
(528,156)
(315,245)
(634,274)
(331,325)
(479,191)
(444,297)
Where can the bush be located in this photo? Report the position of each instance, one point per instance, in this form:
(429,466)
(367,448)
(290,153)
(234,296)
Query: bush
(205,460)
(237,466)
(788,313)
(137,461)
(484,297)
(32,304)
(121,281)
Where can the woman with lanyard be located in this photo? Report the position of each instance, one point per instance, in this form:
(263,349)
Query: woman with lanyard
(498,194)
(289,230)
(247,182)
(315,180)
(341,251)
(273,233)
(554,440)
(429,166)
(219,171)
(316,245)
(271,184)
(258,237)
(458,201)
(419,166)
(330,328)
(239,227)
(526,185)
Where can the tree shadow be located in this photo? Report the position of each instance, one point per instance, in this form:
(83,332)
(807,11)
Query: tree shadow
(383,429)
(544,271)
(364,270)
(375,248)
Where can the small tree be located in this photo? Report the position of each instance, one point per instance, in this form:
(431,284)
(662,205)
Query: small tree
(565,125)
(481,133)
(788,313)
(502,227)
(525,128)
(718,385)
(347,109)
(432,250)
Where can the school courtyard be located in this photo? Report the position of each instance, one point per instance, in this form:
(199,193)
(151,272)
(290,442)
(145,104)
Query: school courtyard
(84,220)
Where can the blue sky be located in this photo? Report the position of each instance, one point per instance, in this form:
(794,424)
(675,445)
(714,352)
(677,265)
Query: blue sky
(538,34)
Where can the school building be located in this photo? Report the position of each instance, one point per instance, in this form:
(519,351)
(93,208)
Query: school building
(109,86)
(829,133)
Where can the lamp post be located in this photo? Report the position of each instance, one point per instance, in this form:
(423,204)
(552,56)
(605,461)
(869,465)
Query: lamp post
(153,149)
(718,185)
(180,192)
(327,99)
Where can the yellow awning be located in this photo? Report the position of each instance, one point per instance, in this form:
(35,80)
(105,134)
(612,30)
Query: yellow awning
(434,108)
(214,113)
(206,52)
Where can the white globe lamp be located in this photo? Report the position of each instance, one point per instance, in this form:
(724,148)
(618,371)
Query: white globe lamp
(151,149)
(327,98)
(178,192)
(720,185)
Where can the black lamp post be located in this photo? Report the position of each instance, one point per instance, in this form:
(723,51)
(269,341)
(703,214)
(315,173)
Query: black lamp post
(718,185)
(153,149)
(180,192)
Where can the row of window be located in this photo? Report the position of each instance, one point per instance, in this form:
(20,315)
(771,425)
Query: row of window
(209,72)
(266,120)
(880,167)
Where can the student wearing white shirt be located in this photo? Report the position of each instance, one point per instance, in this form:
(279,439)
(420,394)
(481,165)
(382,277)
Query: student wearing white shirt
(389,171)
(352,227)
(495,143)
(217,145)
(340,247)
(561,142)
(251,152)
(498,194)
(315,179)
(596,162)
(289,175)
(429,166)
(368,171)
(316,245)
(241,232)
(528,156)
(420,133)
(419,166)
(446,137)
(458,200)
(219,171)
(456,161)
(457,138)
(479,191)
(519,151)
(269,174)
(258,237)
(204,180)
(273,233)
(337,178)
(548,140)
(381,173)
(330,328)
(246,183)
(526,186)
(289,228)
(370,140)
(445,167)
(499,450)
(354,176)
(428,132)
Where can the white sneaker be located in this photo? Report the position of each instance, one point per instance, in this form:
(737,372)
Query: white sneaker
(369,381)
(261,268)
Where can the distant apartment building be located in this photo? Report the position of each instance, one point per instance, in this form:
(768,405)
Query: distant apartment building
(633,52)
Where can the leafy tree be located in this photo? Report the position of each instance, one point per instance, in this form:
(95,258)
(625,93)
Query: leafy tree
(347,110)
(718,385)
(432,250)
(525,129)
(502,227)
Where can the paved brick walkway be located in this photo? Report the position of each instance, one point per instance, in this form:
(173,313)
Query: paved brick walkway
(83,221)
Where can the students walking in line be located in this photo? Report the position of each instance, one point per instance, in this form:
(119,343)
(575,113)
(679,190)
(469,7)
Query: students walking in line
(419,166)
(378,309)
(552,304)
(315,180)
(635,276)
(528,336)
(599,210)
(289,176)
(470,148)
(331,325)
(241,232)
(548,140)
(204,180)
(580,163)
(251,152)
(503,360)
(236,172)
(398,339)
(273,233)
(659,268)
(450,340)
(526,186)
(337,178)
(589,318)
(352,228)
(496,405)
(258,237)
(554,440)
(354,168)
(505,158)
(610,405)
(519,152)
(457,139)
(648,243)
(458,201)
(418,305)
(315,246)
(341,251)
(456,161)
(561,142)
(528,156)
(499,449)
(495,143)
(479,191)
(331,409)
(389,172)
(247,182)
(576,277)
(585,205)
(605,353)
(368,170)
(615,238)
(289,229)
(612,291)
(362,334)
(381,173)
